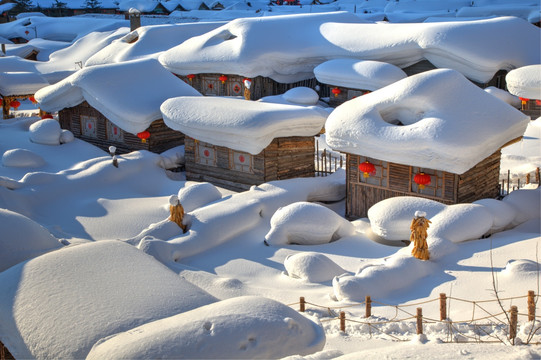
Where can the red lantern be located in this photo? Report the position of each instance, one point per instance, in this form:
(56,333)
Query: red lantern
(523,100)
(32,99)
(367,168)
(190,77)
(143,136)
(336,91)
(422,179)
(15,104)
(223,78)
(46,116)
(1,102)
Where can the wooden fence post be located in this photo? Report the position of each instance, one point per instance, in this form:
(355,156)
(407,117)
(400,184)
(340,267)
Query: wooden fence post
(537,175)
(531,305)
(508,180)
(513,323)
(368,307)
(419,321)
(527,178)
(443,306)
(342,321)
(302,304)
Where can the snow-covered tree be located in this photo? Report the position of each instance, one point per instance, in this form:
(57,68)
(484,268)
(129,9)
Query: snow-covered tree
(23,6)
(93,4)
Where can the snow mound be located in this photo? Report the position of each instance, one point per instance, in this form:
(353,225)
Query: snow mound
(66,136)
(461,222)
(391,218)
(505,96)
(525,82)
(46,132)
(358,74)
(22,239)
(241,328)
(198,195)
(527,204)
(307,223)
(312,267)
(431,120)
(301,96)
(502,213)
(88,292)
(520,267)
(22,158)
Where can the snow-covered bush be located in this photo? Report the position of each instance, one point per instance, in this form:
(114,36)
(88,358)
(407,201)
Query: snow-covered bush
(526,202)
(66,136)
(22,158)
(307,224)
(46,132)
(301,95)
(198,195)
(312,267)
(22,239)
(461,222)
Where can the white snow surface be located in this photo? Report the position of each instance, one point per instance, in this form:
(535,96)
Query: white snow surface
(440,115)
(247,327)
(525,82)
(46,132)
(364,74)
(20,83)
(22,158)
(129,94)
(239,124)
(312,267)
(505,96)
(477,49)
(196,195)
(88,292)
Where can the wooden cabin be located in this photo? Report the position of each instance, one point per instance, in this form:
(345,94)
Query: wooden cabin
(284,158)
(18,86)
(391,179)
(233,85)
(531,107)
(88,124)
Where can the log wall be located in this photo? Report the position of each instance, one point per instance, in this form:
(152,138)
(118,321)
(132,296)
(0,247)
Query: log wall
(161,137)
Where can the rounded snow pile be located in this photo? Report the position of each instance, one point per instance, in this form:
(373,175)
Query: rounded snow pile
(22,158)
(48,132)
(312,267)
(307,224)
(246,327)
(22,239)
(301,95)
(525,81)
(198,195)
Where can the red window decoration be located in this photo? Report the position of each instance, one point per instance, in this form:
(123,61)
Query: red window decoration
(223,78)
(336,91)
(211,86)
(1,102)
(15,104)
(537,102)
(89,126)
(144,135)
(206,153)
(367,168)
(236,88)
(422,179)
(242,159)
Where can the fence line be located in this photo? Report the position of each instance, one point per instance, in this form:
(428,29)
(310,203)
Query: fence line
(452,325)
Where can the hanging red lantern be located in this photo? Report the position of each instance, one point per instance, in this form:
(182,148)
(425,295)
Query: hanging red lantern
(523,100)
(223,78)
(367,168)
(336,91)
(190,77)
(32,99)
(15,104)
(46,116)
(144,135)
(422,179)
(537,102)
(1,102)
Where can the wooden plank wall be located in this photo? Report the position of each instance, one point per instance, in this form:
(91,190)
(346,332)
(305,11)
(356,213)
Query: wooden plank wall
(481,181)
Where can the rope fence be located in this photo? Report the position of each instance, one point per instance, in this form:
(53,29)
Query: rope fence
(456,333)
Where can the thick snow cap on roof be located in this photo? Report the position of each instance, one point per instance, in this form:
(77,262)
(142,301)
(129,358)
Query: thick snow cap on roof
(525,82)
(477,49)
(149,41)
(242,125)
(358,74)
(129,94)
(20,83)
(437,119)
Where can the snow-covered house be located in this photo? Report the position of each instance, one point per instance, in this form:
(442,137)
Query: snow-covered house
(525,82)
(234,143)
(117,104)
(346,79)
(257,47)
(434,135)
(15,86)
(145,7)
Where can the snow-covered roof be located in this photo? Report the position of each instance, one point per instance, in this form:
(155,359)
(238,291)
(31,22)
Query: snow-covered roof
(149,41)
(242,125)
(20,83)
(89,292)
(358,74)
(478,49)
(129,93)
(141,5)
(437,119)
(525,82)
(76,4)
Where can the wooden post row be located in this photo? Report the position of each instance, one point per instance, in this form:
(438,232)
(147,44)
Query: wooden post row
(302,304)
(531,305)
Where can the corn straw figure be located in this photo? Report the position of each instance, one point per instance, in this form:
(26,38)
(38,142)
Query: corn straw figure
(418,236)
(177,212)
(247,85)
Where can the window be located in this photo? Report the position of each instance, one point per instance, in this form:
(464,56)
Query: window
(114,133)
(205,154)
(89,126)
(241,161)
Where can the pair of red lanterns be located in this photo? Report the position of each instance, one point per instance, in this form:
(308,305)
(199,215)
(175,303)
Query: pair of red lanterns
(421,179)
